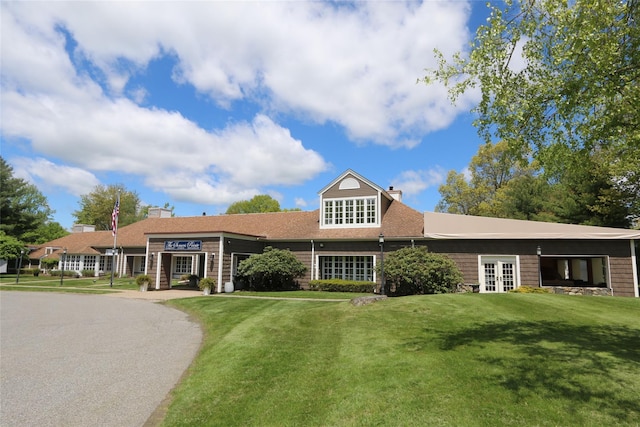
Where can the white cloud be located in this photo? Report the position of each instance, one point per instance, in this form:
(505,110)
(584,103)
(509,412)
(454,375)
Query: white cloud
(354,65)
(413,182)
(44,173)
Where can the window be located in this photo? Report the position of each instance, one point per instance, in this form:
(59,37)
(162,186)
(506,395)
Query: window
(345,212)
(574,271)
(183,265)
(106,263)
(347,267)
(89,262)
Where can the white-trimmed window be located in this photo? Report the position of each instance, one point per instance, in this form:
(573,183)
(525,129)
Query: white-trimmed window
(89,262)
(106,262)
(183,264)
(359,212)
(346,267)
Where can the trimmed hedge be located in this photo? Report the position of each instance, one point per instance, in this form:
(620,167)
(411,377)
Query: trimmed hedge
(339,285)
(88,273)
(67,273)
(34,271)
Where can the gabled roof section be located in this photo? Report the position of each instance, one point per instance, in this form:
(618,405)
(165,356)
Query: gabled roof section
(345,177)
(453,226)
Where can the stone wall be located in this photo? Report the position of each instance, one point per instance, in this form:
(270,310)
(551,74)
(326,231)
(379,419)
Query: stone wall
(581,291)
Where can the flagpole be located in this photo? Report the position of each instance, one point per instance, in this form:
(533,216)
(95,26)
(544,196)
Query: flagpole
(114,230)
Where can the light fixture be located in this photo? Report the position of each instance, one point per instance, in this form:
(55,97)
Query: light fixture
(19,265)
(64,259)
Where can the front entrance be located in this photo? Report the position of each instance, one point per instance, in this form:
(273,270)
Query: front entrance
(498,274)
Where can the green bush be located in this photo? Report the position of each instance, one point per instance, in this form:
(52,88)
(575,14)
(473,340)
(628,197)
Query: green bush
(88,273)
(34,271)
(272,270)
(411,271)
(141,279)
(530,290)
(207,282)
(339,285)
(67,273)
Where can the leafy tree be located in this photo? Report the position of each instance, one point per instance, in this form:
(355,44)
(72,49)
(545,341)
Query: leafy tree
(273,270)
(47,232)
(582,192)
(258,204)
(411,271)
(558,79)
(491,170)
(10,247)
(23,209)
(96,207)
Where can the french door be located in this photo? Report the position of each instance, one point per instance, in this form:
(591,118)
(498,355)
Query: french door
(498,274)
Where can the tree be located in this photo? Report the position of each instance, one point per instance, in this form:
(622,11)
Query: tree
(411,271)
(47,232)
(10,247)
(491,171)
(96,207)
(273,270)
(23,209)
(258,204)
(558,79)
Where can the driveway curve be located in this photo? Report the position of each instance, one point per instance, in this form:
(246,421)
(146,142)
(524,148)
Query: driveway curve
(87,360)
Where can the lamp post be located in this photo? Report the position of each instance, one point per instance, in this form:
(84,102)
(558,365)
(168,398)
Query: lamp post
(381,243)
(19,265)
(539,252)
(64,259)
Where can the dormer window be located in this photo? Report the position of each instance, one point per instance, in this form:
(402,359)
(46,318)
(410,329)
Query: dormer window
(356,211)
(351,201)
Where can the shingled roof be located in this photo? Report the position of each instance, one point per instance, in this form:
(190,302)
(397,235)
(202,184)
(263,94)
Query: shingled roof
(400,221)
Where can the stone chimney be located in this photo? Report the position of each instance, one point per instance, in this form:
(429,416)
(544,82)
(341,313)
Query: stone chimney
(396,194)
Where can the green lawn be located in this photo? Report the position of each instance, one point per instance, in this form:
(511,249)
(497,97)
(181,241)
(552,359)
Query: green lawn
(443,360)
(29,282)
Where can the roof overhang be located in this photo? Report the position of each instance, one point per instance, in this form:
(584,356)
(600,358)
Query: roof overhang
(453,226)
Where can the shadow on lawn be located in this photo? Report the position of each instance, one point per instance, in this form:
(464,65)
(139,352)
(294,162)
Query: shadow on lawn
(592,366)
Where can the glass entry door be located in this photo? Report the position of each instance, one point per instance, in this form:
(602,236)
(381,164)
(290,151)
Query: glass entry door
(498,274)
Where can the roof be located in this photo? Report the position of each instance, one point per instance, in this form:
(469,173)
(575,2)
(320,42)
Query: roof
(400,221)
(453,226)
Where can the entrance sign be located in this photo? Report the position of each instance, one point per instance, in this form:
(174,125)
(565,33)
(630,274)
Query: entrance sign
(183,245)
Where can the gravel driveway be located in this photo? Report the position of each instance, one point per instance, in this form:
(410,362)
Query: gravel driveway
(88,360)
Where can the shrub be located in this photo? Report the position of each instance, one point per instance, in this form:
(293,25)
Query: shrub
(530,290)
(273,270)
(339,285)
(49,263)
(207,282)
(67,273)
(410,271)
(141,279)
(88,273)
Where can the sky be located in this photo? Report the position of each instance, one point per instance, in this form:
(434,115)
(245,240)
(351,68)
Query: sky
(200,104)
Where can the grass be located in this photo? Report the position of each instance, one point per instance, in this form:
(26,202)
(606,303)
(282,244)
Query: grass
(29,282)
(445,360)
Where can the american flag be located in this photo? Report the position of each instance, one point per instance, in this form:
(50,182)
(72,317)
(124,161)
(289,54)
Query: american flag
(114,218)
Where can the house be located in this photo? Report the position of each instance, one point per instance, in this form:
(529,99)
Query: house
(346,237)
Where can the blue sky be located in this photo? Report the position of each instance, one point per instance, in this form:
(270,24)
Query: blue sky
(200,104)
